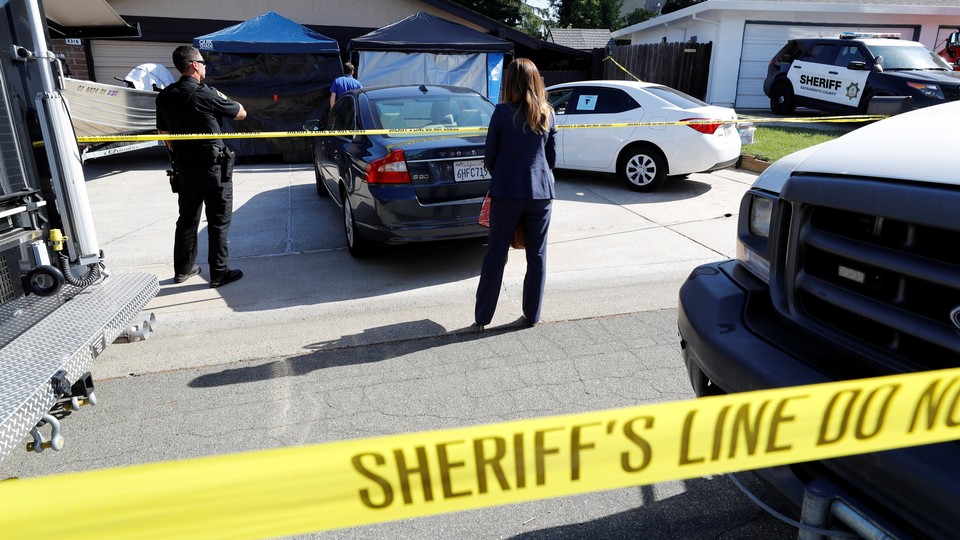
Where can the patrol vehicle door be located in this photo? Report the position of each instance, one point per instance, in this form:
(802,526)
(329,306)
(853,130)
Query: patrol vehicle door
(831,72)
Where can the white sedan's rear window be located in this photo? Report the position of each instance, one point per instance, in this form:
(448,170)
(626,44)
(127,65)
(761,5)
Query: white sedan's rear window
(675,97)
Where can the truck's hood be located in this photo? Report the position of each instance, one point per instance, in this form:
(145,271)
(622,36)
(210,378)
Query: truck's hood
(913,146)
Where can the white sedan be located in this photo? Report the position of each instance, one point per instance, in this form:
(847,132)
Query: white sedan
(643,156)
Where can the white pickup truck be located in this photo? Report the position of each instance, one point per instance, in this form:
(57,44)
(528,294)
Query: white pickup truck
(848,266)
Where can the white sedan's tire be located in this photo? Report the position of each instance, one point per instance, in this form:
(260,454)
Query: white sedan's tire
(642,167)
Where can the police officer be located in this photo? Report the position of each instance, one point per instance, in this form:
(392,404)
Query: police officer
(205,166)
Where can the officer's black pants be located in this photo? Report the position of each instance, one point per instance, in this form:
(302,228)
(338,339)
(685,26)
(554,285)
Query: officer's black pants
(201,185)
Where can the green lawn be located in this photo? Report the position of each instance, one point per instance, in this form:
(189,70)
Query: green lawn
(772,143)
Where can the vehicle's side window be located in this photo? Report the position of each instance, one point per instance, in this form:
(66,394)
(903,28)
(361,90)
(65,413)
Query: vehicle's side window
(559,98)
(847,54)
(790,52)
(821,53)
(345,117)
(597,100)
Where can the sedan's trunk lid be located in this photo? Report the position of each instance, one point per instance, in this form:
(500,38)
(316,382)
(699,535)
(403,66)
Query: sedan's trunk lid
(446,168)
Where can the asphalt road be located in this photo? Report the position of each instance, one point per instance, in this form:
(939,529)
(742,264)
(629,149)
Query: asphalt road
(313,345)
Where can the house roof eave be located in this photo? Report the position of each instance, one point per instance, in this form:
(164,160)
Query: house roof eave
(788,7)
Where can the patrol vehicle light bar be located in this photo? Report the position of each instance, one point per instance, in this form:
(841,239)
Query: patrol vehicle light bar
(869,35)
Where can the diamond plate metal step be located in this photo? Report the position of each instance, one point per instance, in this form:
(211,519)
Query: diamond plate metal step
(69,338)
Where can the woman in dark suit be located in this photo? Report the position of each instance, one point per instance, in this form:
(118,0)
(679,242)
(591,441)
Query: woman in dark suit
(520,154)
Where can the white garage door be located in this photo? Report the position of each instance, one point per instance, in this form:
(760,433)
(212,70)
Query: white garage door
(115,58)
(762,41)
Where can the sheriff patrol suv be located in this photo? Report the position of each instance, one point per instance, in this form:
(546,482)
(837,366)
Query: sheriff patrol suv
(843,74)
(847,267)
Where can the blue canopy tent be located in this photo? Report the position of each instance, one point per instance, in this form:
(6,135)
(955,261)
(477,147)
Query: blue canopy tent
(423,48)
(280,71)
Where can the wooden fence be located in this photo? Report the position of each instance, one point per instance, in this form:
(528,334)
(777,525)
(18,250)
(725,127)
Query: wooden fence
(683,66)
(556,77)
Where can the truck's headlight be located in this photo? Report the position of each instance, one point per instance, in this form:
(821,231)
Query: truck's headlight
(761,210)
(753,238)
(929,90)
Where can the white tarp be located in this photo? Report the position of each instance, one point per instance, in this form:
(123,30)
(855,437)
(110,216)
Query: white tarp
(149,77)
(381,67)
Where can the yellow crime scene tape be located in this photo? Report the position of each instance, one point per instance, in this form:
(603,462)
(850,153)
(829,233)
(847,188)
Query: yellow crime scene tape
(351,483)
(453,131)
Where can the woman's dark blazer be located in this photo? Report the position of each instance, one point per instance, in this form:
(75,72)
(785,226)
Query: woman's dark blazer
(519,160)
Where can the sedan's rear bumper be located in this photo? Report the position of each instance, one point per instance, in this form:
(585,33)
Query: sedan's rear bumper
(393,215)
(724,164)
(699,153)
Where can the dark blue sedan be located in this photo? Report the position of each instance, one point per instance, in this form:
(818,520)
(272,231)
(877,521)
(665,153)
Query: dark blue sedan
(401,188)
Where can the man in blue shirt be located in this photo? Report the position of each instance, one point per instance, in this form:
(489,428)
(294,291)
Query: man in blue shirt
(342,85)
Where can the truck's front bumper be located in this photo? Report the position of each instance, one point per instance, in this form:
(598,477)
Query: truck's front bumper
(733,342)
(718,343)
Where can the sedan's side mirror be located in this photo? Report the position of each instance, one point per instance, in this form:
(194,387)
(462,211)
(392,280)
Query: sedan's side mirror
(311,125)
(857,65)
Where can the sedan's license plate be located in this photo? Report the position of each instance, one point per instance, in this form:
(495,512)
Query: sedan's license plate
(466,171)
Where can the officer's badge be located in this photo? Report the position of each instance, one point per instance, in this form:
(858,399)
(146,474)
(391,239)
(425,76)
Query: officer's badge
(853,90)
(220,94)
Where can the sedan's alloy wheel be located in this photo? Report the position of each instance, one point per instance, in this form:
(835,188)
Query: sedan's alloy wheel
(641,170)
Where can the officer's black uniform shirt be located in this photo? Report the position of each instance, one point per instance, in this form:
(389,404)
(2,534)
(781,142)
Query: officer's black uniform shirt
(202,114)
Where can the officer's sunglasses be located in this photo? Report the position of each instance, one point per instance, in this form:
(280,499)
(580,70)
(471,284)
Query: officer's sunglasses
(204,62)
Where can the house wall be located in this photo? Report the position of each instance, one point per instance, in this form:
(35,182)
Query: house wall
(358,13)
(725,29)
(74,57)
(114,58)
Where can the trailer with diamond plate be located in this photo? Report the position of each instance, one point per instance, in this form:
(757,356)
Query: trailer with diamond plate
(60,306)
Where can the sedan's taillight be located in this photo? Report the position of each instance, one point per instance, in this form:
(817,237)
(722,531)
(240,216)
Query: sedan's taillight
(704,125)
(390,169)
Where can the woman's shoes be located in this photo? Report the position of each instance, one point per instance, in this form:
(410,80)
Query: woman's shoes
(527,323)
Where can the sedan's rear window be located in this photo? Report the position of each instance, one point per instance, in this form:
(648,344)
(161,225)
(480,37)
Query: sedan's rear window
(675,97)
(431,112)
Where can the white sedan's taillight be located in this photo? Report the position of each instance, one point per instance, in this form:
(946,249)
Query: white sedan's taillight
(704,125)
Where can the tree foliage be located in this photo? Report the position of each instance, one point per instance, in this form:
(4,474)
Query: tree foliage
(508,12)
(637,16)
(588,13)
(534,21)
(670,6)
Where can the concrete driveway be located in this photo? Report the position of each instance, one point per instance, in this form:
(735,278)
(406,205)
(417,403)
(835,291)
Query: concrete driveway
(611,251)
(313,345)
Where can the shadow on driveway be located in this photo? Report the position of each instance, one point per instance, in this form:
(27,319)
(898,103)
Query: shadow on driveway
(352,350)
(608,189)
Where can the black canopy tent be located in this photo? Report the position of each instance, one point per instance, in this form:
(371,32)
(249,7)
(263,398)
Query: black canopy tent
(280,71)
(423,48)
